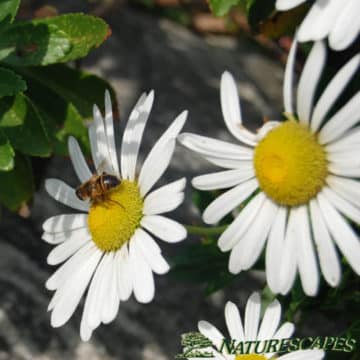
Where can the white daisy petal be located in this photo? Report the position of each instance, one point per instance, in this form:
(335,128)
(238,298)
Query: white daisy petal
(288,254)
(61,223)
(85,330)
(109,131)
(304,355)
(270,321)
(124,273)
(342,205)
(222,179)
(139,111)
(230,107)
(288,79)
(233,322)
(342,233)
(341,170)
(65,194)
(136,135)
(329,261)
(346,143)
(285,331)
(305,254)
(252,242)
(344,159)
(65,271)
(98,143)
(228,201)
(155,165)
(59,237)
(92,304)
(319,20)
(150,251)
(332,91)
(77,158)
(142,276)
(252,317)
(243,221)
(98,291)
(160,155)
(209,147)
(112,298)
(308,81)
(66,249)
(162,203)
(347,26)
(73,290)
(211,332)
(283,5)
(274,249)
(342,121)
(347,188)
(164,228)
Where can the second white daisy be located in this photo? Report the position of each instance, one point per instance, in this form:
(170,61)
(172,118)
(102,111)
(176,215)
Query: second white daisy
(301,176)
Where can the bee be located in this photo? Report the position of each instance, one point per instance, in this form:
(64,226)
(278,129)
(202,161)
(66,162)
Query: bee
(97,187)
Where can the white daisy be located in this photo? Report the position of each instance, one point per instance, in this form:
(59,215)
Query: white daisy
(303,176)
(338,20)
(255,330)
(107,247)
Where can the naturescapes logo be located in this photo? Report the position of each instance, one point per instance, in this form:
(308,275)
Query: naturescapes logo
(196,345)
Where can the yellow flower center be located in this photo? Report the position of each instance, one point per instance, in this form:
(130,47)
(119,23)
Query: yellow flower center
(290,164)
(250,357)
(113,221)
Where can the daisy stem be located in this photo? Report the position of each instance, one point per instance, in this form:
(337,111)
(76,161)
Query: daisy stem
(204,230)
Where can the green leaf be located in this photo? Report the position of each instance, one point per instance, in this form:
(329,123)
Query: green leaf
(82,89)
(222,7)
(60,116)
(17,185)
(8,10)
(85,32)
(28,43)
(10,83)
(6,153)
(23,126)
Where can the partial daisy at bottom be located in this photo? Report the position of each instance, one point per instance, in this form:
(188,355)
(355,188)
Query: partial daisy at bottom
(300,178)
(254,328)
(108,248)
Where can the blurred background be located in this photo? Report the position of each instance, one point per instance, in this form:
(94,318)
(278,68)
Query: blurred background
(180,49)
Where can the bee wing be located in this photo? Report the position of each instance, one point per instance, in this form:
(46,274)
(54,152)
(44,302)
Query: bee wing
(105,166)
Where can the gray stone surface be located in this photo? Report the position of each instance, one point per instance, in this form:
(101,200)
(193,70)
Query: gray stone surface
(143,53)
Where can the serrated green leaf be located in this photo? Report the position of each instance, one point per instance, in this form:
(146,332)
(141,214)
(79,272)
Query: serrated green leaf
(10,83)
(85,32)
(8,10)
(28,43)
(61,118)
(82,89)
(17,185)
(222,7)
(23,126)
(7,153)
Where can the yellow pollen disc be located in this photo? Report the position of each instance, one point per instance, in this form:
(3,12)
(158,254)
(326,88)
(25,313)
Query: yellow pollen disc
(113,221)
(290,164)
(250,357)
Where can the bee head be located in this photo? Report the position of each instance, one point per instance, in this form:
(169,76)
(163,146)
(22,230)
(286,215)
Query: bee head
(110,181)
